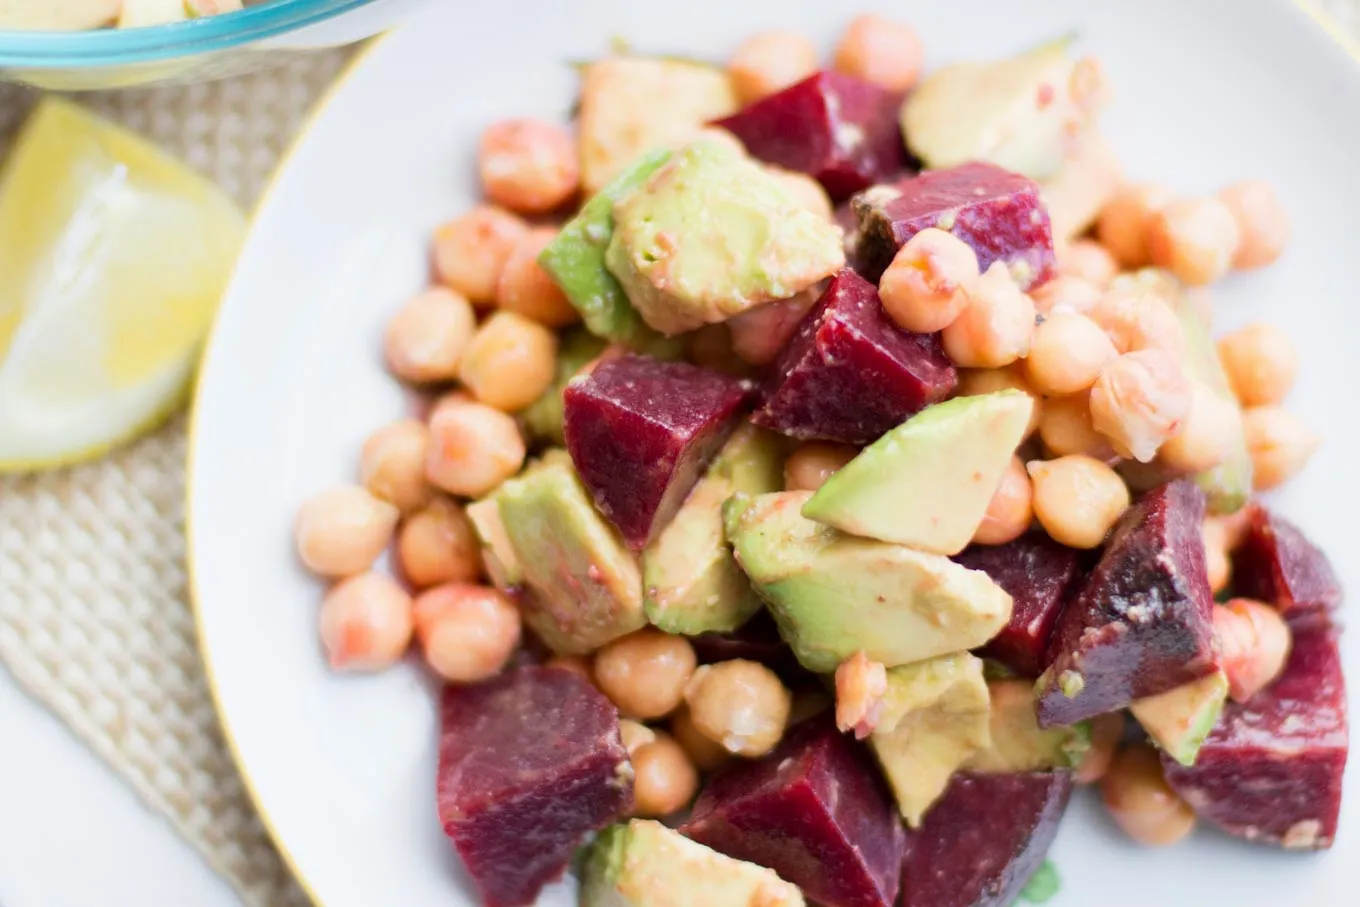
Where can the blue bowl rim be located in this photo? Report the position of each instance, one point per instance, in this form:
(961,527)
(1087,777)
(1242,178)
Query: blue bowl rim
(113,47)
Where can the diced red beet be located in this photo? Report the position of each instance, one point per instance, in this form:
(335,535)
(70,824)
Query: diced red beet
(1038,574)
(641,432)
(529,764)
(815,811)
(841,130)
(1142,623)
(996,212)
(983,839)
(757,640)
(1277,564)
(850,373)
(1271,770)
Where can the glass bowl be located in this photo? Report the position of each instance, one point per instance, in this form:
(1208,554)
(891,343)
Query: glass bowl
(190,51)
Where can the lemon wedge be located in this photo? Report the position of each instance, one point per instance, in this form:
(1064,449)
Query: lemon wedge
(113,257)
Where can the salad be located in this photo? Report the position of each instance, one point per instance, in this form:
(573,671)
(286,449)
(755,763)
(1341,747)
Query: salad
(821,470)
(79,15)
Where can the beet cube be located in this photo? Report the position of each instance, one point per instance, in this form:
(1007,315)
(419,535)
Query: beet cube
(996,212)
(1271,770)
(815,811)
(641,431)
(1038,574)
(850,373)
(983,840)
(529,764)
(1277,564)
(841,130)
(1142,623)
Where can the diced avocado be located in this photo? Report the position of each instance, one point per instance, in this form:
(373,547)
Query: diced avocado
(833,595)
(588,589)
(1018,113)
(927,483)
(542,419)
(1180,719)
(498,557)
(646,864)
(633,105)
(1018,743)
(691,582)
(711,234)
(934,720)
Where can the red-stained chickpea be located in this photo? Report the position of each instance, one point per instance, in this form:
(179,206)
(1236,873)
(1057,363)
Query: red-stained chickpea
(1066,354)
(1141,802)
(470,251)
(392,465)
(525,288)
(343,530)
(977,381)
(808,467)
(1140,401)
(994,330)
(645,673)
(1089,261)
(1077,499)
(425,340)
(1123,222)
(1011,509)
(1209,434)
(473,448)
(926,286)
(1066,428)
(704,752)
(467,632)
(1139,321)
(1279,443)
(1262,223)
(664,778)
(576,664)
(1194,238)
(770,61)
(861,686)
(1216,560)
(1261,363)
(528,165)
(1254,644)
(758,335)
(1106,733)
(1066,294)
(438,545)
(365,623)
(510,362)
(880,50)
(740,704)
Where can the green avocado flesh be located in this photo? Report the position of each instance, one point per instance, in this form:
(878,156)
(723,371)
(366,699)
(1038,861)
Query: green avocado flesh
(1179,720)
(1018,743)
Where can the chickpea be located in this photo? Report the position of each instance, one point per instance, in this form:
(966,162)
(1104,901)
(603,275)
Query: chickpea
(879,50)
(1066,354)
(995,328)
(634,735)
(365,623)
(1088,260)
(1210,432)
(808,467)
(343,530)
(976,381)
(425,340)
(510,362)
(645,673)
(770,61)
(861,686)
(1011,509)
(1139,321)
(1254,644)
(704,752)
(1066,294)
(470,251)
(1123,222)
(576,664)
(1262,223)
(806,191)
(467,632)
(1140,401)
(710,347)
(437,544)
(526,289)
(664,778)
(1141,802)
(1077,499)
(1216,560)
(714,135)
(1194,238)
(1106,733)
(741,704)
(1066,428)
(926,286)
(759,335)
(1279,443)
(1261,363)
(473,448)
(392,465)
(528,165)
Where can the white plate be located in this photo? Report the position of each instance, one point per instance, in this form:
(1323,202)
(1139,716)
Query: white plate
(343,768)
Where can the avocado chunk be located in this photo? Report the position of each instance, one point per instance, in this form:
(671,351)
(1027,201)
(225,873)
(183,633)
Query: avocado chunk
(712,234)
(1179,720)
(1019,113)
(834,595)
(498,555)
(935,719)
(1018,743)
(691,582)
(542,419)
(646,864)
(586,583)
(927,483)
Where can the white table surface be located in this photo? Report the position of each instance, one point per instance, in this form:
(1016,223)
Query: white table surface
(72,834)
